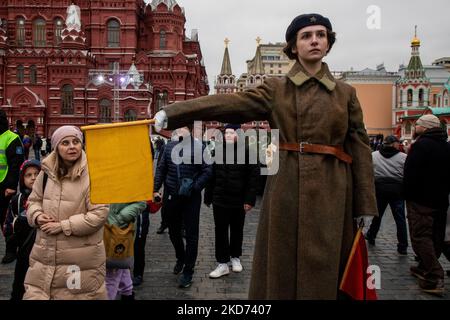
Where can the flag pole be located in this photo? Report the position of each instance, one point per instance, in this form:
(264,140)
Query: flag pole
(118,124)
(352,252)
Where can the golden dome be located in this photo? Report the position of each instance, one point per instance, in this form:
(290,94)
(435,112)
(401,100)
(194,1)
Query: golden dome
(415,42)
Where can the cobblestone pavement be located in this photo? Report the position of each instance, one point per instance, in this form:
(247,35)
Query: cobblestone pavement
(160,283)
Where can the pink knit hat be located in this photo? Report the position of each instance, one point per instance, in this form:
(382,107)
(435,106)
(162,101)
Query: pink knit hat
(65,131)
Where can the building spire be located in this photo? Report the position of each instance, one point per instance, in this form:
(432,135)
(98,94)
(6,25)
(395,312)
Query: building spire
(226,63)
(415,41)
(257,66)
(415,68)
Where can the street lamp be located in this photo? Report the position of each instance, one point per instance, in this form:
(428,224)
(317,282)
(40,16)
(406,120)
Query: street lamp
(118,79)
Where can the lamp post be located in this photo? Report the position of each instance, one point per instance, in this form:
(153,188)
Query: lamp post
(118,80)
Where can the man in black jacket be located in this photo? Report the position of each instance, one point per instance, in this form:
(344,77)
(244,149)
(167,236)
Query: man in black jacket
(232,191)
(427,186)
(183,210)
(11,157)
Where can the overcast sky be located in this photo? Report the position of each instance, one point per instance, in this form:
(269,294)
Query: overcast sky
(357,46)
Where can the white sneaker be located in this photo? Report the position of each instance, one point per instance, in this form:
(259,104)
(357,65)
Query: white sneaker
(236,265)
(221,270)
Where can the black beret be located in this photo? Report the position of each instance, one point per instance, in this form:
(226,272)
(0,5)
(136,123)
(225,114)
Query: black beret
(232,126)
(305,20)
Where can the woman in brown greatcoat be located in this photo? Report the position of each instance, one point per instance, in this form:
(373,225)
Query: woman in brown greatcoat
(307,224)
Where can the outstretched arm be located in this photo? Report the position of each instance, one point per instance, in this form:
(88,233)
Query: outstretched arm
(253,104)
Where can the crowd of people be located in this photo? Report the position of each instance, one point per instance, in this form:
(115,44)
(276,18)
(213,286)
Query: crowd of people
(328,181)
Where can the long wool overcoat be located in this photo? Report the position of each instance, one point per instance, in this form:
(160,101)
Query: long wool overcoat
(306,225)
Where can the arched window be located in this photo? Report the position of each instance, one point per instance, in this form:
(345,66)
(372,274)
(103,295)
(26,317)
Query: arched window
(410,97)
(20,32)
(33,74)
(421,97)
(20,73)
(113,27)
(162,99)
(39,32)
(67,99)
(130,115)
(58,30)
(105,111)
(162,39)
(408,128)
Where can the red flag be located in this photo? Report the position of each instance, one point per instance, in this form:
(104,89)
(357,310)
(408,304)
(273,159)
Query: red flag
(354,280)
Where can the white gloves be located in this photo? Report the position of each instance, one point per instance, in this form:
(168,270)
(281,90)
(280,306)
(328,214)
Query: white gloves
(160,120)
(364,220)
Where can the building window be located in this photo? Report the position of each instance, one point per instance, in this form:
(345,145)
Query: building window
(401,98)
(67,99)
(33,74)
(421,102)
(161,99)
(113,33)
(435,100)
(39,32)
(130,115)
(408,128)
(105,111)
(20,73)
(410,97)
(58,30)
(162,39)
(20,32)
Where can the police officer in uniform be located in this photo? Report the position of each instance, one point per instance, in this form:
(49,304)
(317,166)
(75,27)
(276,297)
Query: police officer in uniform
(11,157)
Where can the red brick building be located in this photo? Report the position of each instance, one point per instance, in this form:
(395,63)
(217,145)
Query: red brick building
(125,61)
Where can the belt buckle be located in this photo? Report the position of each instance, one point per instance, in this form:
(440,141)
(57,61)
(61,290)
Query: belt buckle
(302,146)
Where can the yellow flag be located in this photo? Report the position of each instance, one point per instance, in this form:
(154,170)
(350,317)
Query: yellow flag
(120,162)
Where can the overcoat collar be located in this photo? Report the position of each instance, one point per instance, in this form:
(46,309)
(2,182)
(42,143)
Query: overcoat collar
(298,75)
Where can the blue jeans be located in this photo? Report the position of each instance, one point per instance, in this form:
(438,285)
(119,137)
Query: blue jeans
(398,211)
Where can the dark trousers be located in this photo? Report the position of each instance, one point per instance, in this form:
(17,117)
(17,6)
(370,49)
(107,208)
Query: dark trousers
(37,154)
(164,219)
(11,243)
(232,220)
(184,212)
(427,231)
(398,212)
(142,226)
(22,264)
(4,203)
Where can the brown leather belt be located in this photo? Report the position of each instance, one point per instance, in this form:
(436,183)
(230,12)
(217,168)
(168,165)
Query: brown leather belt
(306,147)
